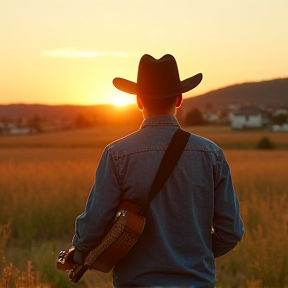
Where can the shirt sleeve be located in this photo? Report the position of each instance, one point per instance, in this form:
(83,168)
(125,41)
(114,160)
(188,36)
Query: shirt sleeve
(104,198)
(227,223)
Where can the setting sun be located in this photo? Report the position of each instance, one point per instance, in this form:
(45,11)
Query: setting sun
(119,98)
(121,101)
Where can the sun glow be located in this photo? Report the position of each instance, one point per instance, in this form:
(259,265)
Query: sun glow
(120,98)
(121,101)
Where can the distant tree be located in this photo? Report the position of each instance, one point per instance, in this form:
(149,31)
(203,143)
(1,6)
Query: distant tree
(280,119)
(81,121)
(4,120)
(19,121)
(35,123)
(194,117)
(209,105)
(223,113)
(265,143)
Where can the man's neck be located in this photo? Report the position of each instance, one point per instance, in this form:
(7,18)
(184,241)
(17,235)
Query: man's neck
(146,113)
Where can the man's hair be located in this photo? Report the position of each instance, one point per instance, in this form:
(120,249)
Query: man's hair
(158,106)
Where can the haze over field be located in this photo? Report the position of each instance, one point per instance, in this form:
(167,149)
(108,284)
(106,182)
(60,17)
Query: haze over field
(68,52)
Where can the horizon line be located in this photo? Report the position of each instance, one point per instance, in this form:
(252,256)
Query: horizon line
(111,104)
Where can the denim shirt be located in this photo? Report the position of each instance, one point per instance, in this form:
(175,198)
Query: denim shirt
(176,247)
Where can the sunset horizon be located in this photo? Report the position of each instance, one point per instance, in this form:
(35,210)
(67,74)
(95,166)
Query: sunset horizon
(57,54)
(128,99)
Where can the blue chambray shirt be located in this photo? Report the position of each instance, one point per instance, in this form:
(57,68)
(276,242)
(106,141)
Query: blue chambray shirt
(176,247)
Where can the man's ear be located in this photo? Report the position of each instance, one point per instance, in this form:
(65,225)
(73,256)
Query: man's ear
(179,101)
(139,103)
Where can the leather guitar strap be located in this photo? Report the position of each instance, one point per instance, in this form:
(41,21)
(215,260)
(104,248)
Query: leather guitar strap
(167,165)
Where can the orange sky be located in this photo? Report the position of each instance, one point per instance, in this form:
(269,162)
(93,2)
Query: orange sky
(68,51)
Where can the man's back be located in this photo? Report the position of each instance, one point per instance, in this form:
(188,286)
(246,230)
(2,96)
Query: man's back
(176,245)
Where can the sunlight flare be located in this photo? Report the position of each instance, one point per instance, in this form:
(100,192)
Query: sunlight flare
(121,101)
(119,98)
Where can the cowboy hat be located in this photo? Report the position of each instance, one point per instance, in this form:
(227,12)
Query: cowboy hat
(157,79)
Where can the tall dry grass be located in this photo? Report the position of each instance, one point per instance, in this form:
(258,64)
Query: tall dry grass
(42,190)
(227,138)
(261,182)
(100,136)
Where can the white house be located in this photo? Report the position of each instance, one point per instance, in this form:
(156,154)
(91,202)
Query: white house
(22,130)
(211,117)
(280,128)
(247,117)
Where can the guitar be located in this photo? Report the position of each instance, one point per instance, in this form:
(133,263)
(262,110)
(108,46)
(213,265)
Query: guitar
(126,230)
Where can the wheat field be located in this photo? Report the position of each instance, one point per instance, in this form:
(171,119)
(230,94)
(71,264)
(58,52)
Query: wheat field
(45,180)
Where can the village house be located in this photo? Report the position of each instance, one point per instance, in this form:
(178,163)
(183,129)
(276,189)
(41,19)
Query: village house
(13,129)
(211,117)
(22,131)
(247,117)
(280,128)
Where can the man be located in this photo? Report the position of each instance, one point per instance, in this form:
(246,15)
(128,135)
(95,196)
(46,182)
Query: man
(178,244)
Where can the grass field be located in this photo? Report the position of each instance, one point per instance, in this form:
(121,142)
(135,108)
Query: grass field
(99,137)
(45,180)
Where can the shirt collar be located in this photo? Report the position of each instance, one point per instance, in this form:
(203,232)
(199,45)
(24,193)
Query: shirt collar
(160,120)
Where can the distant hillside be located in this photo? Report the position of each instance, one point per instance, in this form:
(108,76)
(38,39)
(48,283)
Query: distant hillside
(49,111)
(94,114)
(273,93)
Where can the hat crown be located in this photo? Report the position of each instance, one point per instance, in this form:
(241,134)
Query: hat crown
(157,79)
(157,76)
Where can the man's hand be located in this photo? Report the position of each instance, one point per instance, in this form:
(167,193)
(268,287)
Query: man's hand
(65,260)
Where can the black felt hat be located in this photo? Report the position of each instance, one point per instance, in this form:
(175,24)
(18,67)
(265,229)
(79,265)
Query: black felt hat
(157,79)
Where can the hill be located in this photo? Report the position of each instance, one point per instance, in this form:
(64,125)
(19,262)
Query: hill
(272,93)
(94,114)
(52,111)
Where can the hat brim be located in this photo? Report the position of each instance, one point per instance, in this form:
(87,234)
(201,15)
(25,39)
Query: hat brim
(132,88)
